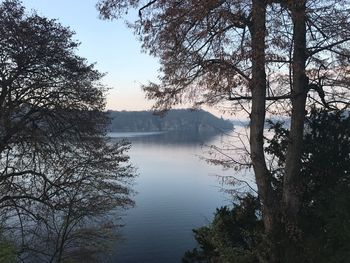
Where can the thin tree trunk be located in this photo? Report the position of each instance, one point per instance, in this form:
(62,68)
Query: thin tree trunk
(292,188)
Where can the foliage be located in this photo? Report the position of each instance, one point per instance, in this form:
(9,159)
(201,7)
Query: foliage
(233,235)
(174,120)
(59,176)
(206,54)
(324,216)
(7,251)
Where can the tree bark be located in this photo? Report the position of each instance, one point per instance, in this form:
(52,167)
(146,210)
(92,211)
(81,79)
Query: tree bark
(257,117)
(292,188)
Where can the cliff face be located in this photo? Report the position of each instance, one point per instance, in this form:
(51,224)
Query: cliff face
(174,120)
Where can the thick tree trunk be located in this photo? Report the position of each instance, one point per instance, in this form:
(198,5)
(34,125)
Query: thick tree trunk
(257,118)
(292,188)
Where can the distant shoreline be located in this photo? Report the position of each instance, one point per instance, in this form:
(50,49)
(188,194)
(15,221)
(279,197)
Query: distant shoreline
(185,120)
(132,134)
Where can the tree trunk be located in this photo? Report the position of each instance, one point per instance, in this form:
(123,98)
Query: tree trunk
(257,117)
(292,188)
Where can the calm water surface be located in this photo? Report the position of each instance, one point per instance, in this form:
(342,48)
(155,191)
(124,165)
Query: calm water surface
(176,193)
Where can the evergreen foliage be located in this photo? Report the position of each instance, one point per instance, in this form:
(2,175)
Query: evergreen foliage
(325,214)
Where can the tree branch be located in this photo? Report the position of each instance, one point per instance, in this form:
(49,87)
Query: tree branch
(328,47)
(282,97)
(145,6)
(228,64)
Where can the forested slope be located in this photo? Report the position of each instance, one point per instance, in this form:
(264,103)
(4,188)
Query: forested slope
(174,120)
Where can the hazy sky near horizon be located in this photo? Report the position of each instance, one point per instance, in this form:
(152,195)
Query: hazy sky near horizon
(110,44)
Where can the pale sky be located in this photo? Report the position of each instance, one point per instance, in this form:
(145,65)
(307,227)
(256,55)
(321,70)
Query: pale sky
(111,45)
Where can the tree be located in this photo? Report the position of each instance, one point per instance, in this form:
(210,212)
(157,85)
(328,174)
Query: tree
(70,206)
(324,217)
(232,236)
(45,88)
(281,55)
(59,174)
(236,234)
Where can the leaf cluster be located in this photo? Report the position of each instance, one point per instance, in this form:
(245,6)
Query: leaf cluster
(232,236)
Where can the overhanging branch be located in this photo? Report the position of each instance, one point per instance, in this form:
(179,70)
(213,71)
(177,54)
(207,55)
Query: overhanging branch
(281,97)
(328,47)
(145,6)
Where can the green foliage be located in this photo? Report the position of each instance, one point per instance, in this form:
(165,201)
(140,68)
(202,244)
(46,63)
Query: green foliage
(326,177)
(233,236)
(325,214)
(7,251)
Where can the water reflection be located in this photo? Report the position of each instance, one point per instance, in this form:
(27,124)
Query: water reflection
(176,193)
(170,138)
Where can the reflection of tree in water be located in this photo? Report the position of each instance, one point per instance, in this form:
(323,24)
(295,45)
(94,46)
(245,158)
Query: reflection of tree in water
(178,138)
(60,179)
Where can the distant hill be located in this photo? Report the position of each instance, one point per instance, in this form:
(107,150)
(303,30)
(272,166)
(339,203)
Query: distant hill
(174,120)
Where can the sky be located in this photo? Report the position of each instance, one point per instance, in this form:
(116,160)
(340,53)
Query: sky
(115,50)
(111,44)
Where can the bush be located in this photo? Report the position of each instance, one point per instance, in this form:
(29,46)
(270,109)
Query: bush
(237,234)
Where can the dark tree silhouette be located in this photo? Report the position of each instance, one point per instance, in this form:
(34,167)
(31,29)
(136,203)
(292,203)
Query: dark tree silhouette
(57,170)
(236,234)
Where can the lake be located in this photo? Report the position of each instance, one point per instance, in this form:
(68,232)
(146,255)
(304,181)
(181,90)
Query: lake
(176,192)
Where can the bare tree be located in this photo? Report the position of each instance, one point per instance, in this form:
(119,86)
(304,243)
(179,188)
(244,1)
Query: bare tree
(72,203)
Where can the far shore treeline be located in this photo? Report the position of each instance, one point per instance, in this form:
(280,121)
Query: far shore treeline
(174,120)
